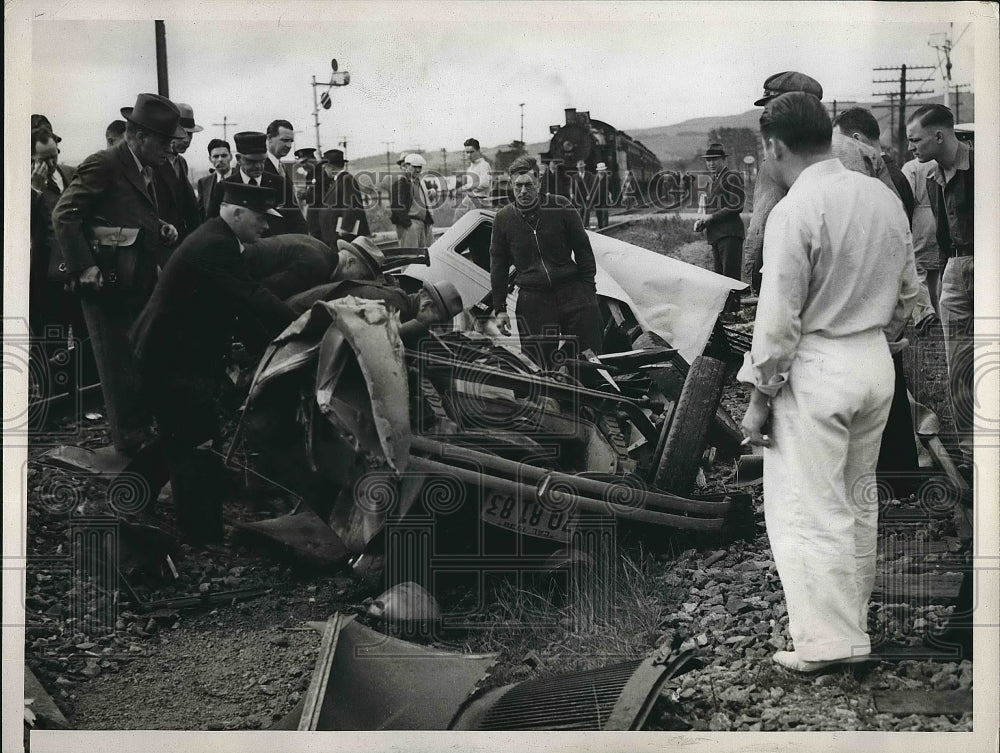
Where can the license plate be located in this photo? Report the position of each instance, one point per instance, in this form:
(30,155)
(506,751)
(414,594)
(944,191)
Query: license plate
(528,517)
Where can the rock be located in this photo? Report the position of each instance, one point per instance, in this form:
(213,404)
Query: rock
(204,588)
(825,681)
(277,640)
(944,680)
(720,722)
(738,606)
(268,690)
(777,642)
(777,693)
(735,695)
(702,639)
(60,680)
(151,626)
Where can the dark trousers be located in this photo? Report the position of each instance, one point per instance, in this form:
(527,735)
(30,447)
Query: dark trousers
(566,311)
(602,218)
(727,256)
(897,467)
(185,407)
(108,321)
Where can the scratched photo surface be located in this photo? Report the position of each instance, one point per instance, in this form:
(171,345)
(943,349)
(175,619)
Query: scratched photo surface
(413,453)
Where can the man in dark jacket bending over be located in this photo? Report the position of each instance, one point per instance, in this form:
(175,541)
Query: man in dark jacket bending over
(544,238)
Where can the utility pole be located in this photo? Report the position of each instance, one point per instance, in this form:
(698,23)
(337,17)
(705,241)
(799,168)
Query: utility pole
(343,143)
(225,127)
(945,48)
(902,92)
(444,159)
(337,78)
(319,149)
(958,101)
(388,164)
(162,83)
(522,121)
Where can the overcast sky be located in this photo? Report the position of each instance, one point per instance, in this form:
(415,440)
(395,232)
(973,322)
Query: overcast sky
(431,74)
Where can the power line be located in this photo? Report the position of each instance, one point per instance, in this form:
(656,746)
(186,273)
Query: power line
(902,94)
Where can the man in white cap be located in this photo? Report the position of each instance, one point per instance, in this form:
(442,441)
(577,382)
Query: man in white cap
(409,207)
(603,190)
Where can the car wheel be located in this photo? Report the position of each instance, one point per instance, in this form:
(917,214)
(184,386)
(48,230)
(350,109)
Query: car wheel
(685,443)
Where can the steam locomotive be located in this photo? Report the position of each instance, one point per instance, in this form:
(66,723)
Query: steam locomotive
(593,141)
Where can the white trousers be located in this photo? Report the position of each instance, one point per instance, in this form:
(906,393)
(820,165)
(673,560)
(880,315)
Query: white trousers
(820,499)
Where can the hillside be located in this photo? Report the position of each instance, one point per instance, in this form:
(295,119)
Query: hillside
(679,142)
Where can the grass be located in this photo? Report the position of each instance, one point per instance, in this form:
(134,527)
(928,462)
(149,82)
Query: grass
(565,629)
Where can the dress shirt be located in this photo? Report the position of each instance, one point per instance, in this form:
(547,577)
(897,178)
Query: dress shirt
(478,183)
(247,179)
(276,162)
(838,262)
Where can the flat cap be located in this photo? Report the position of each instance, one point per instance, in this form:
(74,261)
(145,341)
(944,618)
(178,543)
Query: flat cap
(789,81)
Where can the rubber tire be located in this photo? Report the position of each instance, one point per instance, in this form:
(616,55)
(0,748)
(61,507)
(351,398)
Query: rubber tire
(678,463)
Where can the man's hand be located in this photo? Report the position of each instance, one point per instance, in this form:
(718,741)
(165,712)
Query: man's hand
(503,323)
(90,280)
(39,176)
(754,419)
(168,233)
(699,225)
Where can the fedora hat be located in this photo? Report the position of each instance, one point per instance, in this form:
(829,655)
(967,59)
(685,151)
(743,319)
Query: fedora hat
(305,153)
(446,297)
(334,157)
(258,198)
(364,249)
(251,144)
(157,114)
(715,149)
(187,118)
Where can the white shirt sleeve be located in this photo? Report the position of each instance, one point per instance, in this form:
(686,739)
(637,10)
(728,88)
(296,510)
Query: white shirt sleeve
(784,289)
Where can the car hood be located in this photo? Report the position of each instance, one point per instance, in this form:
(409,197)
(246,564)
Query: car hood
(678,301)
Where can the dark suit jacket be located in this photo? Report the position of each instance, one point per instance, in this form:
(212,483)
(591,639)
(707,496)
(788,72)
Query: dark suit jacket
(400,199)
(45,254)
(291,220)
(176,202)
(725,200)
(342,204)
(109,190)
(207,188)
(288,264)
(189,321)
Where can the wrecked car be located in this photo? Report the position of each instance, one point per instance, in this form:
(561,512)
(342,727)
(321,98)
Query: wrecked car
(370,423)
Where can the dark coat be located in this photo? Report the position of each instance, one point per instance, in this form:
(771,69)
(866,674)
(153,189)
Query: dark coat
(342,214)
(400,200)
(109,190)
(289,264)
(547,247)
(45,254)
(291,220)
(176,202)
(190,320)
(209,195)
(724,202)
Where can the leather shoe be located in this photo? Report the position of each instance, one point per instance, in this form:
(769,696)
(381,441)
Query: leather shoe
(794,662)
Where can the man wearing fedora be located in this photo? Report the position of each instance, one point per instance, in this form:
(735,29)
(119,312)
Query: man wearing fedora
(251,156)
(175,195)
(342,213)
(723,226)
(107,224)
(182,342)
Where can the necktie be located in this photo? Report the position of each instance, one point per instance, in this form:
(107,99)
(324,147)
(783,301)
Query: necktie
(147,176)
(253,181)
